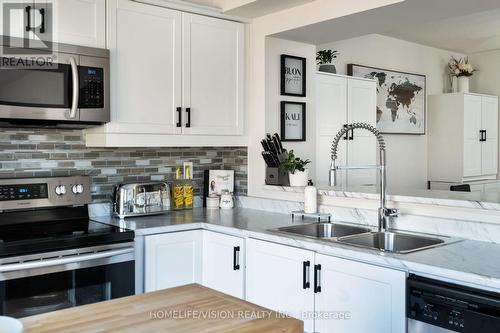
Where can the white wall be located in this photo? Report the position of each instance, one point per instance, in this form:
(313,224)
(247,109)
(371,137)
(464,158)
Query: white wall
(487,79)
(406,154)
(313,12)
(274,49)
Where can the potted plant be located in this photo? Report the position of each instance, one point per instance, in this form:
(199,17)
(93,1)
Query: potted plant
(460,70)
(324,59)
(295,167)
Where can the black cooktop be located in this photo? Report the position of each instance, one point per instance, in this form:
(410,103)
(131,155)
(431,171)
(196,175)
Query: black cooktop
(55,229)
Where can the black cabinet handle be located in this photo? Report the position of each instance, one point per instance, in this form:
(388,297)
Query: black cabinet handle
(28,14)
(236,258)
(317,279)
(305,275)
(485,137)
(188,111)
(482,134)
(346,136)
(179,113)
(42,26)
(352,135)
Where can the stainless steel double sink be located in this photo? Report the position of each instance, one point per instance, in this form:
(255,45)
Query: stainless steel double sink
(394,242)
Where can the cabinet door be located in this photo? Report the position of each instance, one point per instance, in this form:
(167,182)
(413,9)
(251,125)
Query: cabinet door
(78,22)
(490,125)
(275,279)
(212,77)
(145,46)
(331,116)
(472,126)
(362,145)
(13,18)
(223,263)
(370,298)
(173,259)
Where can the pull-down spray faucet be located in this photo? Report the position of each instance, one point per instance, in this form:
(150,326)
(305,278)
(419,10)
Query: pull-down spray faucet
(383,211)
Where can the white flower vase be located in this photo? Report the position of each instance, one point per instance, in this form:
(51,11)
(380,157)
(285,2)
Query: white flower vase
(463,84)
(299,178)
(454,84)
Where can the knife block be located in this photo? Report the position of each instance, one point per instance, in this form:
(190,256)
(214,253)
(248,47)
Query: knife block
(275,177)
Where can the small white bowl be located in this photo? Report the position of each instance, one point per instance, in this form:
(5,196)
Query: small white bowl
(10,325)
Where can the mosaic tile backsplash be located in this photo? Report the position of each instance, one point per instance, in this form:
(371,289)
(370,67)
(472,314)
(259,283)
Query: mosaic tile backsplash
(62,152)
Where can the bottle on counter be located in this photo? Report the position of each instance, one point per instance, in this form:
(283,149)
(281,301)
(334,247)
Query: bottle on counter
(178,191)
(310,198)
(188,188)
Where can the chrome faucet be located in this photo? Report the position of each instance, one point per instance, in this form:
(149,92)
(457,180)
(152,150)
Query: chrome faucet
(383,212)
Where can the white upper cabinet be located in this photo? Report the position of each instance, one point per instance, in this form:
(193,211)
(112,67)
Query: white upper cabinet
(78,22)
(176,79)
(342,100)
(463,137)
(371,298)
(224,263)
(145,68)
(212,77)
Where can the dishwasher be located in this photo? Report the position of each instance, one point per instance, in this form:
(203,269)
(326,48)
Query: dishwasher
(440,307)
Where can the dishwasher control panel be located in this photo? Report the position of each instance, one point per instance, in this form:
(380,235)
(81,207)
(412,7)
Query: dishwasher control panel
(452,307)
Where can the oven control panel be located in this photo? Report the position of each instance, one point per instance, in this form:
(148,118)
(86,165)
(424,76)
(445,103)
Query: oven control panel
(23,193)
(91,88)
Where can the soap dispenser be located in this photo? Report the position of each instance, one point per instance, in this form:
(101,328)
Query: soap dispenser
(310,198)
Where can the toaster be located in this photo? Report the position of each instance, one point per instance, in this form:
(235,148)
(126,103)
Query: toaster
(140,199)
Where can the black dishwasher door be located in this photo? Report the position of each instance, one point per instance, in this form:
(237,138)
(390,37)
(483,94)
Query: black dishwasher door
(452,307)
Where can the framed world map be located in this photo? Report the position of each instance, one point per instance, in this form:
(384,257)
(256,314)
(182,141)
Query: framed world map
(401,99)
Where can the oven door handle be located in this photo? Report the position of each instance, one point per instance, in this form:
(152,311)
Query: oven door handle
(63,260)
(75,87)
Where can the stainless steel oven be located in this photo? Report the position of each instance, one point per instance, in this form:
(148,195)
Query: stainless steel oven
(39,283)
(52,256)
(65,84)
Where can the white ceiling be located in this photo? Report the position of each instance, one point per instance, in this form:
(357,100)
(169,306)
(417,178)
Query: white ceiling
(250,8)
(258,8)
(210,3)
(466,34)
(394,18)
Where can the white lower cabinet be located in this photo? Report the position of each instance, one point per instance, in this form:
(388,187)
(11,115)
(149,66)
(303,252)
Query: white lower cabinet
(199,256)
(358,298)
(275,279)
(223,263)
(173,259)
(329,294)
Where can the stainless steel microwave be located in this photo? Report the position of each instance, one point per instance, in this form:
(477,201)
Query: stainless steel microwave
(59,83)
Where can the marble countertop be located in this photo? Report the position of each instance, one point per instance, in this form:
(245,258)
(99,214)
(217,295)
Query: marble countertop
(467,262)
(489,201)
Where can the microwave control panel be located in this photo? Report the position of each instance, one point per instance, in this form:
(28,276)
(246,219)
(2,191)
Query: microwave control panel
(91,87)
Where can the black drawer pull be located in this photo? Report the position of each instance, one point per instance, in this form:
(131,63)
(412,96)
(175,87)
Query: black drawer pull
(305,275)
(188,111)
(28,14)
(42,26)
(179,113)
(236,258)
(317,279)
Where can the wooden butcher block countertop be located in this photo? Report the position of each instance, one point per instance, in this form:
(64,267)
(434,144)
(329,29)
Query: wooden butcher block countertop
(190,308)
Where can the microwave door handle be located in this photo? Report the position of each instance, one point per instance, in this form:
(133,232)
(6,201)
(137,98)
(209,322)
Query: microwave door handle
(76,88)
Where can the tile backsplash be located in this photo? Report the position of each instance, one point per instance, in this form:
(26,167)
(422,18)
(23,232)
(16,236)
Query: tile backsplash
(44,152)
